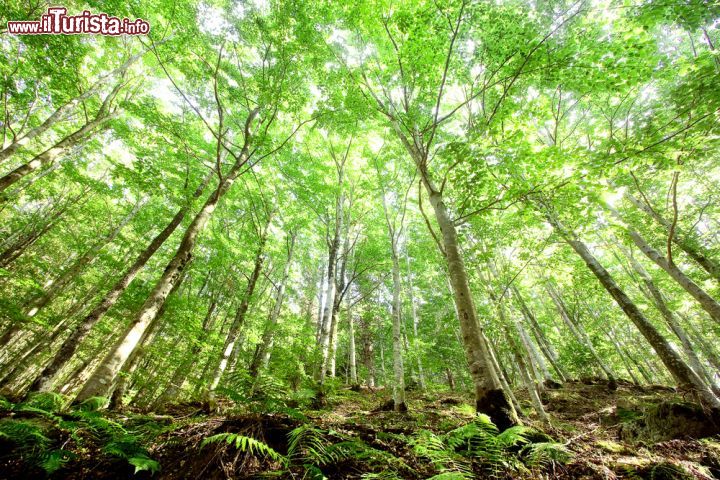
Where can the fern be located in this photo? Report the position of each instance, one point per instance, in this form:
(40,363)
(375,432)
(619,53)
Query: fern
(246,444)
(433,447)
(307,444)
(26,434)
(46,401)
(545,454)
(54,460)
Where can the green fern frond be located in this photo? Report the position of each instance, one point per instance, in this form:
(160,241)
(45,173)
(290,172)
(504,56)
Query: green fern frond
(306,443)
(246,444)
(544,454)
(49,402)
(513,436)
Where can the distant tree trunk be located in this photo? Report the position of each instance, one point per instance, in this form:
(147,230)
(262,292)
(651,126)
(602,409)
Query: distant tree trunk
(327,317)
(683,374)
(368,354)
(16,249)
(527,378)
(415,323)
(100,381)
(82,330)
(239,320)
(180,373)
(382,363)
(707,349)
(692,248)
(611,336)
(54,287)
(321,297)
(398,364)
(542,342)
(351,340)
(264,348)
(580,335)
(450,378)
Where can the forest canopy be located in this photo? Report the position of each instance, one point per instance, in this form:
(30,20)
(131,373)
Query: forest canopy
(269,204)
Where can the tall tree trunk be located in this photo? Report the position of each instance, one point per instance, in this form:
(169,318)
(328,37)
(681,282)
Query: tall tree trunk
(398,365)
(82,330)
(123,380)
(352,360)
(322,296)
(100,381)
(415,323)
(49,156)
(682,373)
(328,317)
(489,396)
(652,292)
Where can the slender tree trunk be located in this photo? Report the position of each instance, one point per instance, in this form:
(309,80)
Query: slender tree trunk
(16,249)
(369,359)
(322,297)
(398,364)
(415,323)
(264,348)
(527,378)
(542,342)
(580,335)
(352,360)
(652,292)
(55,152)
(231,340)
(611,336)
(327,318)
(181,372)
(54,287)
(82,330)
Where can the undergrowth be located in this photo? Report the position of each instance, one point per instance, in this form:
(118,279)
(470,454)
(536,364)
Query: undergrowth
(43,433)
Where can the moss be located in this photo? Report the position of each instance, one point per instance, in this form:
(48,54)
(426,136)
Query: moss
(612,447)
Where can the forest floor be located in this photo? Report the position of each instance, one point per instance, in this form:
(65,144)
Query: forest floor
(633,432)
